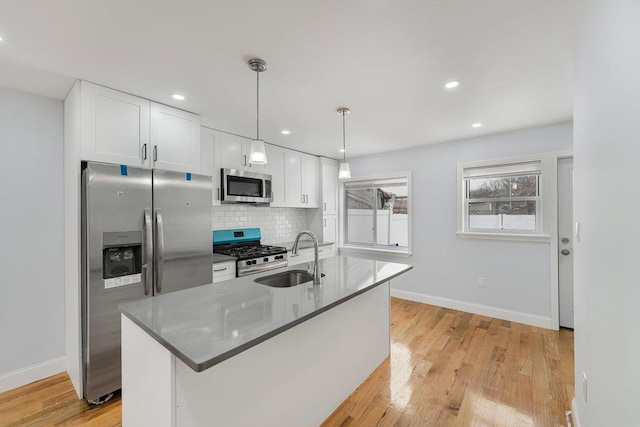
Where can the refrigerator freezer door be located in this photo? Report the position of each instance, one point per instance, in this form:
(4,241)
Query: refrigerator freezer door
(182,209)
(114,200)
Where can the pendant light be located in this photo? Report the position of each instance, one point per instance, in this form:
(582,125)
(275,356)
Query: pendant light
(345,171)
(257,154)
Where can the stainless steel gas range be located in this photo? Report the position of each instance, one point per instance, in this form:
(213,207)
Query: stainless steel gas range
(251,257)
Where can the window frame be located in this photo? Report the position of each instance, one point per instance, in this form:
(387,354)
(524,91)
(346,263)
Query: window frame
(540,233)
(374,247)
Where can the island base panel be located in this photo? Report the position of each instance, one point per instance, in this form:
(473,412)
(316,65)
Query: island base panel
(148,379)
(297,378)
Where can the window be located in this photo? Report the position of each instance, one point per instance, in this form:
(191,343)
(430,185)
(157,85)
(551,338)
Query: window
(377,213)
(502,198)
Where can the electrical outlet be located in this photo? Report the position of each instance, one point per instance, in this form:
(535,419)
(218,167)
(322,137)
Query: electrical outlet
(584,385)
(482,282)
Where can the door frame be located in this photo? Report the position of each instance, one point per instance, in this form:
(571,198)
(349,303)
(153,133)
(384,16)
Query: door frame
(553,232)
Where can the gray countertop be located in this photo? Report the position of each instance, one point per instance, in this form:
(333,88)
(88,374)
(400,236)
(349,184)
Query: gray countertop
(217,258)
(208,324)
(306,243)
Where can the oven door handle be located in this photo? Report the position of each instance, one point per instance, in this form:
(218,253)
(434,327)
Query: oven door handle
(159,251)
(148,240)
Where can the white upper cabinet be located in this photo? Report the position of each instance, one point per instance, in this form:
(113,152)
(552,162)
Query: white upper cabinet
(310,180)
(124,129)
(234,154)
(275,157)
(329,172)
(210,159)
(293,178)
(115,126)
(301,179)
(175,139)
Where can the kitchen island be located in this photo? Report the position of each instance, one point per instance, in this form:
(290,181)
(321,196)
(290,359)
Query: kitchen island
(240,353)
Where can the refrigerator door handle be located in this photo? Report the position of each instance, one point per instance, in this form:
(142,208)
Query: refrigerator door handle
(159,251)
(148,240)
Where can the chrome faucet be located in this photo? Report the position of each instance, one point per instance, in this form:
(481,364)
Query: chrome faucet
(294,251)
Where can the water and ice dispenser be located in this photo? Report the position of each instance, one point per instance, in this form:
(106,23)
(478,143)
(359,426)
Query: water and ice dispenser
(121,258)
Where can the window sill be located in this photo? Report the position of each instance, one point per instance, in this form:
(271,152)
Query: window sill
(375,251)
(542,238)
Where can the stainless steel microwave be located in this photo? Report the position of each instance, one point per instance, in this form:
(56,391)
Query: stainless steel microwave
(240,186)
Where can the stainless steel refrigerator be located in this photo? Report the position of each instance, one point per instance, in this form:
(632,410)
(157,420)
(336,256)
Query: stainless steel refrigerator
(144,233)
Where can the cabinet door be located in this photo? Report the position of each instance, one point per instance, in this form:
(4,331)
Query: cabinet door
(210,159)
(293,178)
(115,126)
(329,187)
(310,182)
(175,139)
(275,157)
(232,152)
(330,228)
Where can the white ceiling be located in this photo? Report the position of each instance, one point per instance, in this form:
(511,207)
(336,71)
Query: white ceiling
(387,60)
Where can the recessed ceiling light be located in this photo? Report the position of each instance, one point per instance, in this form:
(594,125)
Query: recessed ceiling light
(178,96)
(476,125)
(452,84)
(285,132)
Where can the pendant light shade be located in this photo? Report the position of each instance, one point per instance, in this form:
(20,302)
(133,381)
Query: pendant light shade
(345,170)
(257,154)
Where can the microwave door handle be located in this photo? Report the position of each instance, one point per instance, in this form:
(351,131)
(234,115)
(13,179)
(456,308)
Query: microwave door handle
(148,239)
(160,251)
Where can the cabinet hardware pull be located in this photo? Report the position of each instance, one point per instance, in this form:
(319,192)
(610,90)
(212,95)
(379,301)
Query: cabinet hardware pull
(220,269)
(144,151)
(218,197)
(325,206)
(155,153)
(245,160)
(325,223)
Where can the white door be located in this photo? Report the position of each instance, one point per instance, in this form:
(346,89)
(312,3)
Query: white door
(565,241)
(293,178)
(329,228)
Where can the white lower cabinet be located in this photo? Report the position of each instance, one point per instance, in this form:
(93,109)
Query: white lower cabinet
(224,271)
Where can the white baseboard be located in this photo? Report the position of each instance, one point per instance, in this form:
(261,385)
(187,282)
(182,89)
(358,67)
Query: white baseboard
(574,413)
(484,310)
(32,373)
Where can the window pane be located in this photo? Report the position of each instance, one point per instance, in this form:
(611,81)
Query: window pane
(523,186)
(503,186)
(360,204)
(378,215)
(488,188)
(503,215)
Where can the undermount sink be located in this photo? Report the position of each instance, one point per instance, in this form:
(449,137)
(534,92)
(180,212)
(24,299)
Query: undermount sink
(286,279)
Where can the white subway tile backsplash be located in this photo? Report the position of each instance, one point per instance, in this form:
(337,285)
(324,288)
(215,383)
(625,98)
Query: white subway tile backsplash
(277,225)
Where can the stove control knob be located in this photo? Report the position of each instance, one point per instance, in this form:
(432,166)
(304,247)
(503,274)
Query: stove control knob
(253,262)
(266,260)
(248,262)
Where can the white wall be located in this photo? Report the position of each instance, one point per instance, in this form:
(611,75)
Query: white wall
(32,319)
(606,203)
(447,267)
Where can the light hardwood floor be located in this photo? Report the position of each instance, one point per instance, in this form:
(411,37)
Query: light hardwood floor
(447,368)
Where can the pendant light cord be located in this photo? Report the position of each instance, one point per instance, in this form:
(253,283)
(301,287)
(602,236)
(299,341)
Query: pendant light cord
(258,105)
(344,144)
